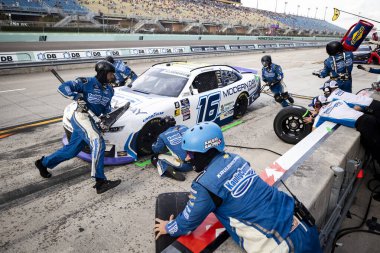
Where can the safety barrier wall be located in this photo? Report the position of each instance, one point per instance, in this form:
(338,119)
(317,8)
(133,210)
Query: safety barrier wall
(36,58)
(51,37)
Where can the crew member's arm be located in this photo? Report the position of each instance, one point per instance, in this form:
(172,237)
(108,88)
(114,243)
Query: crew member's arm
(326,69)
(279,74)
(158,146)
(71,89)
(200,204)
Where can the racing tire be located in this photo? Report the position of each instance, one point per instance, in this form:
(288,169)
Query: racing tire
(289,126)
(241,105)
(147,136)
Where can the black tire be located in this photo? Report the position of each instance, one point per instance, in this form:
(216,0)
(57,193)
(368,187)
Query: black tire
(241,105)
(289,126)
(147,136)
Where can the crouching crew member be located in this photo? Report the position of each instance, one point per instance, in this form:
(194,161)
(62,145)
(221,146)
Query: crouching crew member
(272,75)
(170,140)
(259,218)
(95,94)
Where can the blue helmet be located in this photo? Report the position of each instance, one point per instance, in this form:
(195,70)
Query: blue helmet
(203,137)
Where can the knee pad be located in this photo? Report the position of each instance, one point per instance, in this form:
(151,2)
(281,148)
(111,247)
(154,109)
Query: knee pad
(285,95)
(278,98)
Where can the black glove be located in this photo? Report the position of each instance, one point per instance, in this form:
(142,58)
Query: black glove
(317,73)
(82,105)
(362,67)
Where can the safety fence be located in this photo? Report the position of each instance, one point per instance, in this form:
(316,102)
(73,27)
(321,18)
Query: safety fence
(62,57)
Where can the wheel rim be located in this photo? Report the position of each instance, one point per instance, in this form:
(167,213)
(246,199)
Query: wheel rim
(293,125)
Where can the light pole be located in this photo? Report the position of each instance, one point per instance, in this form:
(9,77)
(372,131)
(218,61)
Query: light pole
(308,9)
(298,6)
(316,9)
(324,17)
(275,8)
(285,7)
(257,4)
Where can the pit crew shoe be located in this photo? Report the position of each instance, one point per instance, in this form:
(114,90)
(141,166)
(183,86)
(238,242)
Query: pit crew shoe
(291,100)
(171,173)
(43,170)
(105,185)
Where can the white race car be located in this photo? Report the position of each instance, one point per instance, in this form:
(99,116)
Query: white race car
(190,92)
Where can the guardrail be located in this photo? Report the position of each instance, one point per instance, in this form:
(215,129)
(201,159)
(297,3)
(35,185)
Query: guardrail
(61,57)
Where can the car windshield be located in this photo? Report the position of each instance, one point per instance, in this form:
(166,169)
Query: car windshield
(160,82)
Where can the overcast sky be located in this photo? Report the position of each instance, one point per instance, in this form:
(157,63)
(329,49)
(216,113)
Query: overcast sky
(366,8)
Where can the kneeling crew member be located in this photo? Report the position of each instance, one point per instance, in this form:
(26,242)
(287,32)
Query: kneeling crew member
(259,218)
(272,75)
(170,140)
(95,94)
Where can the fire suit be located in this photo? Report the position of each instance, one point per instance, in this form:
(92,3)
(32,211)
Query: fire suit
(122,71)
(258,217)
(273,76)
(368,126)
(339,68)
(171,139)
(368,104)
(98,100)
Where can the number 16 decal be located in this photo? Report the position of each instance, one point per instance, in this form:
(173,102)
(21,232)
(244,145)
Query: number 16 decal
(208,107)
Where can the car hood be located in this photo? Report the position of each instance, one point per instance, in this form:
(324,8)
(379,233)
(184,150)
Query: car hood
(137,100)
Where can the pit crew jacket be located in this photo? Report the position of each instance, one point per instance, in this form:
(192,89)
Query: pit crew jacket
(172,140)
(338,112)
(350,99)
(97,97)
(335,66)
(273,74)
(122,70)
(256,215)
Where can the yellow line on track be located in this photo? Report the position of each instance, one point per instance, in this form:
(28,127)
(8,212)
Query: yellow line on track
(21,127)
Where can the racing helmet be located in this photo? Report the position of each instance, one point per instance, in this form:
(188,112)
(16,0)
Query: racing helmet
(203,137)
(334,47)
(167,122)
(102,68)
(318,101)
(266,60)
(375,37)
(110,59)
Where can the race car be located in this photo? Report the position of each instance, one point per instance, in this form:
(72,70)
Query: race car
(190,92)
(363,53)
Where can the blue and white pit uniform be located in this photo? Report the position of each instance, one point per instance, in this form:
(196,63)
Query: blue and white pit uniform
(257,216)
(171,139)
(98,100)
(349,98)
(273,76)
(122,71)
(339,68)
(338,112)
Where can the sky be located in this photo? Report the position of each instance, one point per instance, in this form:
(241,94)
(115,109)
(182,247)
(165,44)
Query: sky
(367,8)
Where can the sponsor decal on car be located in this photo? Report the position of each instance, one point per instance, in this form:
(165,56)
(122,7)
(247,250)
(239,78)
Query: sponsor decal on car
(177,112)
(152,116)
(251,84)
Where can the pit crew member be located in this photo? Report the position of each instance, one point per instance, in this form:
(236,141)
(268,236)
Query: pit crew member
(361,103)
(95,94)
(122,71)
(260,218)
(338,66)
(272,75)
(340,112)
(170,140)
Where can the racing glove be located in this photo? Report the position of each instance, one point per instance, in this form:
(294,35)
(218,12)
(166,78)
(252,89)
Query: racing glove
(317,73)
(362,68)
(82,106)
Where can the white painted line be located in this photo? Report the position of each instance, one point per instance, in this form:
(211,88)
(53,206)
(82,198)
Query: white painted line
(3,91)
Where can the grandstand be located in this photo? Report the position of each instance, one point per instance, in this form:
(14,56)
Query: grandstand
(163,16)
